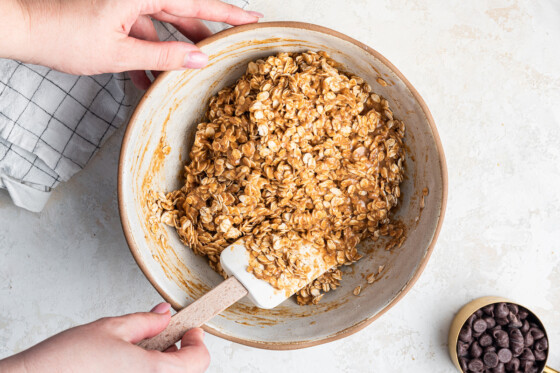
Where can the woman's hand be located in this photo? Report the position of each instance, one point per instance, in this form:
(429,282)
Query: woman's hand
(86,37)
(108,345)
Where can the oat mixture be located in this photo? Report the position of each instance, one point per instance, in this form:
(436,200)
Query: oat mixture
(295,152)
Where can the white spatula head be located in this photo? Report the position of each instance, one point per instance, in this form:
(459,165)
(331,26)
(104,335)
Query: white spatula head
(235,260)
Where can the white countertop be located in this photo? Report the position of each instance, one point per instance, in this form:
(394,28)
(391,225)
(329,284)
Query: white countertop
(490,73)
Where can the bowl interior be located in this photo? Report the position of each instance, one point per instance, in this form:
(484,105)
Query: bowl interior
(156,146)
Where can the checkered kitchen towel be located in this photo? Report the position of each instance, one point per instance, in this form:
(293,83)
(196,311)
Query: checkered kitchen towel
(51,123)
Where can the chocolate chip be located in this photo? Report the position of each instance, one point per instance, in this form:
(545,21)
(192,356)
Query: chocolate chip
(490,322)
(476,335)
(527,355)
(491,359)
(525,327)
(536,332)
(501,310)
(499,369)
(513,308)
(539,355)
(541,344)
(523,313)
(501,337)
(471,319)
(475,350)
(516,351)
(463,362)
(462,348)
(476,365)
(516,342)
(465,334)
(489,310)
(529,340)
(526,365)
(513,365)
(505,355)
(479,313)
(485,340)
(479,326)
(489,349)
(514,322)
(497,327)
(502,321)
(515,334)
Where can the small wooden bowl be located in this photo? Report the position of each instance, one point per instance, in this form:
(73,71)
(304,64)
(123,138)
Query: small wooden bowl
(156,146)
(470,308)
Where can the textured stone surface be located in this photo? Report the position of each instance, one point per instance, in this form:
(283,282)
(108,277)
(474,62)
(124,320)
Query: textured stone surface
(490,73)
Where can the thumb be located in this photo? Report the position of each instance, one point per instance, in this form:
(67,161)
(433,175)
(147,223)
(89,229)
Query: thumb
(138,326)
(160,55)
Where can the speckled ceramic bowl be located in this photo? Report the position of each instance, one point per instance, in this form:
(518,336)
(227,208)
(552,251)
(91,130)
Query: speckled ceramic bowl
(156,145)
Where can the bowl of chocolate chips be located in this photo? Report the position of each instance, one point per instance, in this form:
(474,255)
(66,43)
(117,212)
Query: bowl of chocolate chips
(495,335)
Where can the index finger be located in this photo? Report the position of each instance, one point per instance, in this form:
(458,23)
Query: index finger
(193,352)
(210,10)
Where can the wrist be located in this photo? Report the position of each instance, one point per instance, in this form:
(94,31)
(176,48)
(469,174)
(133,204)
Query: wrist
(13,364)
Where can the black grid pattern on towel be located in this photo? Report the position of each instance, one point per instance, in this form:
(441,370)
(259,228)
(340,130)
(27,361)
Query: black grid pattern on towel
(30,104)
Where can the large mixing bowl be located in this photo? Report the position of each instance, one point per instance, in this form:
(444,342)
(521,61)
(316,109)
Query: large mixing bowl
(156,145)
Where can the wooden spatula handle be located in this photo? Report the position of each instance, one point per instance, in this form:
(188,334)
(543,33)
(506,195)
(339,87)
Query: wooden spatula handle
(196,314)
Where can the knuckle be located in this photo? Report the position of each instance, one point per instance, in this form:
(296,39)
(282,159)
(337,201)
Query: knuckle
(107,323)
(230,9)
(163,58)
(120,58)
(114,325)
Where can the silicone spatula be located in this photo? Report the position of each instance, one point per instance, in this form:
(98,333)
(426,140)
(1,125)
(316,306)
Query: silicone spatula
(240,283)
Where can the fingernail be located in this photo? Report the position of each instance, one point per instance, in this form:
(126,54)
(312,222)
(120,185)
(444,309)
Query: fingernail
(195,60)
(201,331)
(161,308)
(255,14)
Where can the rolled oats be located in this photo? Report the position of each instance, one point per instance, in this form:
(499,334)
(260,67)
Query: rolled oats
(295,152)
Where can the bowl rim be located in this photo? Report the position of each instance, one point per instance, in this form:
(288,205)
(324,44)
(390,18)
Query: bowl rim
(353,328)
